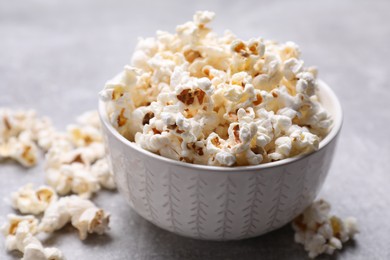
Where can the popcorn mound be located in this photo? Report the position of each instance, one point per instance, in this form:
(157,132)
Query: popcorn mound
(75,163)
(321,233)
(196,97)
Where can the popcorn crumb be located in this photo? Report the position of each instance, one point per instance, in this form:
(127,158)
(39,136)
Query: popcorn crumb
(82,213)
(75,159)
(319,232)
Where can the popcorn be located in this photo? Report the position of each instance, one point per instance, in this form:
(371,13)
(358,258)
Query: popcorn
(71,156)
(17,229)
(19,232)
(82,213)
(18,132)
(34,250)
(196,97)
(24,151)
(101,171)
(75,177)
(89,118)
(33,201)
(75,163)
(84,135)
(321,233)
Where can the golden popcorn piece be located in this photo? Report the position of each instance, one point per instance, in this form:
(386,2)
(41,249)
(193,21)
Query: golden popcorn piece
(33,201)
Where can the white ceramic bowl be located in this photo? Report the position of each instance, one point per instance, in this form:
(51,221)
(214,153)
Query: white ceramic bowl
(220,203)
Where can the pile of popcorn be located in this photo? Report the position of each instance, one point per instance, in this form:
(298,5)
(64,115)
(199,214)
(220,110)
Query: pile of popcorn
(321,233)
(199,98)
(75,164)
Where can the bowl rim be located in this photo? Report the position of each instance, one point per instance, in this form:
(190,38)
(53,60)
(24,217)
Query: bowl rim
(337,124)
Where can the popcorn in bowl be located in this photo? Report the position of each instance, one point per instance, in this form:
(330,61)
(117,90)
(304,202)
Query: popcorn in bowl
(200,99)
(196,97)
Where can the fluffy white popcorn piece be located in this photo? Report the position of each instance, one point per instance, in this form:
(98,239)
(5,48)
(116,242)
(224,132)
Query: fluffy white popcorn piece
(101,170)
(17,228)
(75,163)
(34,250)
(319,232)
(89,118)
(33,201)
(19,232)
(75,177)
(84,135)
(24,151)
(82,214)
(185,88)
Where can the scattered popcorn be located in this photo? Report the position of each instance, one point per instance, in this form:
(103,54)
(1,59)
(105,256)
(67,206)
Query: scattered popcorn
(75,159)
(199,98)
(19,232)
(74,163)
(82,213)
(33,201)
(19,130)
(321,233)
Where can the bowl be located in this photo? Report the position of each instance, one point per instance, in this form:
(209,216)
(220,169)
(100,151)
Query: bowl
(220,203)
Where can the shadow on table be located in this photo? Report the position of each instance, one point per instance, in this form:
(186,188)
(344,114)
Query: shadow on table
(279,244)
(52,239)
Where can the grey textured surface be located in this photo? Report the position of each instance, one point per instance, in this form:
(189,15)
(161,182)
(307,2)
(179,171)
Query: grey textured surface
(56,55)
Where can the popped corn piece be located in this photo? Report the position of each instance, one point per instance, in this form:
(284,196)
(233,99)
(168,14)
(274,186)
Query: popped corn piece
(89,118)
(12,122)
(19,232)
(102,172)
(82,214)
(291,68)
(202,18)
(50,139)
(282,148)
(74,177)
(319,232)
(34,250)
(16,230)
(23,151)
(33,201)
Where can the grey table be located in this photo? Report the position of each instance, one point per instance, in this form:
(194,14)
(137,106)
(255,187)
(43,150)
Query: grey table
(56,55)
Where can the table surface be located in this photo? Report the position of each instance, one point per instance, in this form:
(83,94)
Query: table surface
(56,55)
